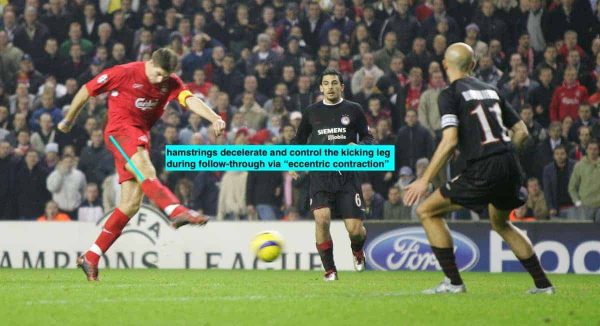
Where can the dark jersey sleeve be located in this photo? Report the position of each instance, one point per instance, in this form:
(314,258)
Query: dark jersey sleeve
(304,129)
(509,115)
(362,128)
(448,105)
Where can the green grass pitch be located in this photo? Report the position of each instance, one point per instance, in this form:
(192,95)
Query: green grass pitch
(219,297)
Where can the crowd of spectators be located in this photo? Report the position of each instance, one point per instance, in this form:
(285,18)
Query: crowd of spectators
(257,62)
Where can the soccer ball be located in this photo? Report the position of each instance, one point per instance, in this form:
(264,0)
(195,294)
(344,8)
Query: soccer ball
(267,245)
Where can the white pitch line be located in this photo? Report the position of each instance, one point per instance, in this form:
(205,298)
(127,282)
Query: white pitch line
(211,298)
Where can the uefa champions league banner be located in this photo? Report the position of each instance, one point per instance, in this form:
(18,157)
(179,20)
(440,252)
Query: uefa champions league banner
(149,241)
(562,247)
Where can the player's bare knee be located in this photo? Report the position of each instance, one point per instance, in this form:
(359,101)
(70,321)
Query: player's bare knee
(423,212)
(355,230)
(322,219)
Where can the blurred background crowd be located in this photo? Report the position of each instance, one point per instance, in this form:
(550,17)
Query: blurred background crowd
(257,62)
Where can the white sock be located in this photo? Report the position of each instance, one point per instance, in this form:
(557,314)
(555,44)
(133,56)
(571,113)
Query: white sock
(169,209)
(95,249)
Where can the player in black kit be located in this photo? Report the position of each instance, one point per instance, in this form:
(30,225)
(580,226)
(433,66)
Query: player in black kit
(335,121)
(475,118)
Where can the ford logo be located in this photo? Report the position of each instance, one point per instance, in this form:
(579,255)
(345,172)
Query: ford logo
(408,249)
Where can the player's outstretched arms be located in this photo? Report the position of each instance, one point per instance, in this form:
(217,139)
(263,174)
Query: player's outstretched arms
(519,134)
(198,106)
(419,187)
(76,104)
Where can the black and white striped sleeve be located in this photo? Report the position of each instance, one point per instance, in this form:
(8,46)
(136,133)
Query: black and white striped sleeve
(448,106)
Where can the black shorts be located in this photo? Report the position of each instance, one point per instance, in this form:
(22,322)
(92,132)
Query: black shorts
(495,180)
(340,191)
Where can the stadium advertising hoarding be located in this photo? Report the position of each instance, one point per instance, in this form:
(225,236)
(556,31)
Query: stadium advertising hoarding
(562,247)
(149,242)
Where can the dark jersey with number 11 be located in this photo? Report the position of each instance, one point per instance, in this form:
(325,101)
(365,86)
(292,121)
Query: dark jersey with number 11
(482,116)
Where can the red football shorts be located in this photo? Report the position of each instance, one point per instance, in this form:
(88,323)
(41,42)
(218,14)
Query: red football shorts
(129,139)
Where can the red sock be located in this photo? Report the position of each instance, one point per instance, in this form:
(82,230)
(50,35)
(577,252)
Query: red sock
(325,250)
(162,197)
(111,231)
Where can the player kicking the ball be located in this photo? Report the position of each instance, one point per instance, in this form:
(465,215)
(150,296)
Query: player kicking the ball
(139,92)
(335,121)
(475,118)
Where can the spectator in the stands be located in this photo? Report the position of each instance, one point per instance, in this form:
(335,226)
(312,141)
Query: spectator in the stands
(517,90)
(536,201)
(429,113)
(585,118)
(57,19)
(205,192)
(384,56)
(67,185)
(338,20)
(418,56)
(229,79)
(540,97)
(394,208)
(52,214)
(537,134)
(122,33)
(30,187)
(368,68)
(567,98)
(404,24)
(7,170)
(584,187)
(118,55)
(198,57)
(373,202)
(250,86)
(49,63)
(90,209)
(556,183)
(75,37)
(532,21)
(490,26)
(27,74)
(183,192)
(44,135)
(472,39)
(31,35)
(10,57)
(95,160)
(254,115)
(545,149)
(412,142)
(584,136)
(263,194)
(487,72)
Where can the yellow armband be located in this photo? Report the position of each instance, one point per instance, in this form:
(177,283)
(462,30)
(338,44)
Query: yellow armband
(183,96)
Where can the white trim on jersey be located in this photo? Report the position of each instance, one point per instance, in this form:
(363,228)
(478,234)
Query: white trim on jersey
(449,120)
(330,104)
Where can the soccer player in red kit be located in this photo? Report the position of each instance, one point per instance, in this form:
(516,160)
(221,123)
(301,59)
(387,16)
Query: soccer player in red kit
(138,94)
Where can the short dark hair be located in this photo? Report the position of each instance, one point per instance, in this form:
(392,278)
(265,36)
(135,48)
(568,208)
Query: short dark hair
(592,142)
(560,147)
(331,72)
(166,59)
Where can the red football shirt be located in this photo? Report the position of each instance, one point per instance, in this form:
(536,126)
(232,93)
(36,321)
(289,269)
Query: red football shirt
(133,100)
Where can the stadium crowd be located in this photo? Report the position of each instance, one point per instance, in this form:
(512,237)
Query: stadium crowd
(257,62)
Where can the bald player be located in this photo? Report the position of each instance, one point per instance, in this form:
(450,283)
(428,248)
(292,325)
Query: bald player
(477,120)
